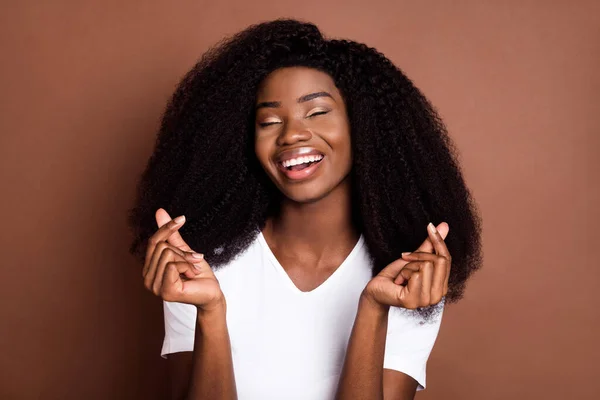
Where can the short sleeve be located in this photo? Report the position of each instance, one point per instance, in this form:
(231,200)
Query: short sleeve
(180,325)
(409,342)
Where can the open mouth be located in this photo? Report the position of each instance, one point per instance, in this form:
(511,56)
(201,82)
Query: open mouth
(300,168)
(300,163)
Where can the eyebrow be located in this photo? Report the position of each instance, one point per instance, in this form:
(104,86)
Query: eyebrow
(303,99)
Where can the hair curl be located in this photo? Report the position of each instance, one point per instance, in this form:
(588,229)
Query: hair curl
(405,169)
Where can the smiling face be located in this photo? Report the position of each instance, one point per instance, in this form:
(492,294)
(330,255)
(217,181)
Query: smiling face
(302,137)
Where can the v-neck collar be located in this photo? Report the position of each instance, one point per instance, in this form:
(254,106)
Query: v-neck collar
(291,283)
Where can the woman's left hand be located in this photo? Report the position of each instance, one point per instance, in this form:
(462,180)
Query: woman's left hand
(418,279)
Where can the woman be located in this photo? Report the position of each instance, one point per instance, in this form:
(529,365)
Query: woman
(303,171)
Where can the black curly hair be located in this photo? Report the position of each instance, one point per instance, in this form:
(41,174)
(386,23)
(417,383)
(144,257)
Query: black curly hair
(405,171)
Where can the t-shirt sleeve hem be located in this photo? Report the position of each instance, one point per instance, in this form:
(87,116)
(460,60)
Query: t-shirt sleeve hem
(397,363)
(175,346)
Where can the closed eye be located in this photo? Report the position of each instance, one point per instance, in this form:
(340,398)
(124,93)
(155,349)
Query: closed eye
(265,124)
(317,113)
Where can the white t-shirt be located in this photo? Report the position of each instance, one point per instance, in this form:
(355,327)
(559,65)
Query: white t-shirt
(289,344)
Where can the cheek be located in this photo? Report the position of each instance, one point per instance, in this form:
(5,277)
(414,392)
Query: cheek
(344,161)
(341,142)
(336,130)
(261,149)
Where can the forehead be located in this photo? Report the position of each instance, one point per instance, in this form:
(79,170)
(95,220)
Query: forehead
(292,82)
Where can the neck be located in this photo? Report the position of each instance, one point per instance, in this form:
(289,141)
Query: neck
(316,228)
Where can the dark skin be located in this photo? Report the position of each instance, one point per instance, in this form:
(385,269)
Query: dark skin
(311,236)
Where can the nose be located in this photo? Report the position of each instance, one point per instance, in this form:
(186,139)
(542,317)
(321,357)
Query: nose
(293,132)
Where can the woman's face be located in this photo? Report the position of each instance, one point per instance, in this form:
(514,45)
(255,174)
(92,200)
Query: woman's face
(302,135)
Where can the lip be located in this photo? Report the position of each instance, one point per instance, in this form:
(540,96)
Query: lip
(301,174)
(297,152)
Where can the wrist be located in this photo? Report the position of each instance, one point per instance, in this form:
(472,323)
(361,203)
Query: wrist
(216,307)
(368,302)
(211,324)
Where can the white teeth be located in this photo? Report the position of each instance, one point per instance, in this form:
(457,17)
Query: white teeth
(301,160)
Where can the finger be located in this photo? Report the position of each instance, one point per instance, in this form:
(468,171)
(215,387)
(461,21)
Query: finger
(438,242)
(409,270)
(189,271)
(420,256)
(191,256)
(440,272)
(446,278)
(440,280)
(163,253)
(158,248)
(194,267)
(161,235)
(427,246)
(169,257)
(405,273)
(393,269)
(172,288)
(426,284)
(197,259)
(158,262)
(410,297)
(201,269)
(185,271)
(417,291)
(414,258)
(163,217)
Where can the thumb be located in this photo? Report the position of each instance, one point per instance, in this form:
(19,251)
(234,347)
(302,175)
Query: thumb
(443,229)
(162,217)
(427,247)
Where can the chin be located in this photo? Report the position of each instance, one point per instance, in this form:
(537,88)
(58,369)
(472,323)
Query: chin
(305,199)
(309,192)
(312,190)
(302,195)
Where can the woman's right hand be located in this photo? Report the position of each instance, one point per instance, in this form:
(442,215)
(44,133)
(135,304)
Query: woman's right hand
(172,272)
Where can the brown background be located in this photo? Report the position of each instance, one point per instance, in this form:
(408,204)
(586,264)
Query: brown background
(83,86)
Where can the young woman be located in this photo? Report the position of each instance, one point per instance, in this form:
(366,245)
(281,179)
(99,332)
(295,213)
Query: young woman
(306,174)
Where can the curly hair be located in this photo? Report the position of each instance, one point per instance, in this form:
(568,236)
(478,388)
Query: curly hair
(405,170)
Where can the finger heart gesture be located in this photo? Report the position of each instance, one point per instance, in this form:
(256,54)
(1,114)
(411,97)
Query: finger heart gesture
(417,279)
(175,272)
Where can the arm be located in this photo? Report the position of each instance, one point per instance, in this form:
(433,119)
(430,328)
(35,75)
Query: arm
(184,279)
(363,376)
(212,372)
(418,279)
(179,368)
(207,372)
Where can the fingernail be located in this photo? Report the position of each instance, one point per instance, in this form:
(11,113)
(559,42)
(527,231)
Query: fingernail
(405,254)
(431,228)
(179,219)
(198,255)
(198,267)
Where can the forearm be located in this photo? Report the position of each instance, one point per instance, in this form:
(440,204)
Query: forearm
(212,373)
(362,373)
